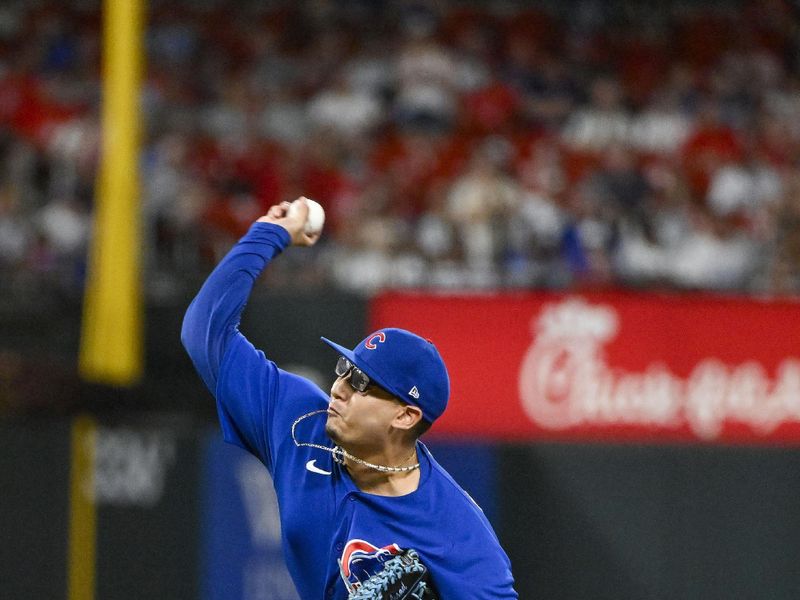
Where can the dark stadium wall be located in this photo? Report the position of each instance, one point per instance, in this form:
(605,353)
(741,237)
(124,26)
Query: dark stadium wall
(34,507)
(39,344)
(651,522)
(182,515)
(578,519)
(147,498)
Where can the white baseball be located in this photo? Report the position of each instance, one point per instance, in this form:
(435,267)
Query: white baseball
(316,216)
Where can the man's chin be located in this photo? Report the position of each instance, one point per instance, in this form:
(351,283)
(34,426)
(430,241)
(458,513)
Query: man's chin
(330,431)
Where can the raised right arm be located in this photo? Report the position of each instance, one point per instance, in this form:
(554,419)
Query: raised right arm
(251,391)
(212,319)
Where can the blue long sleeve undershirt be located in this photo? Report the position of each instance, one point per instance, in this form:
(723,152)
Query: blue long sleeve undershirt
(213,316)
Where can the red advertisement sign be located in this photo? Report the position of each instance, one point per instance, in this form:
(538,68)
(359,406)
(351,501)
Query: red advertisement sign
(612,366)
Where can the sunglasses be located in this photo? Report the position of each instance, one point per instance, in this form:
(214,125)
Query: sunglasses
(358,380)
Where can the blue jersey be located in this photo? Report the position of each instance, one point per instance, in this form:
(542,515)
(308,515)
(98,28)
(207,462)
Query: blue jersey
(334,535)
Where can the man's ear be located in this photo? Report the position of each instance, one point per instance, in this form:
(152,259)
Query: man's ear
(407,417)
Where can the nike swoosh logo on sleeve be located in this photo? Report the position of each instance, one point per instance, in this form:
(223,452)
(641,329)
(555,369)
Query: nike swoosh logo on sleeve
(315,469)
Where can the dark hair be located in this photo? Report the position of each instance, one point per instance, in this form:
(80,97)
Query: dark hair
(420,428)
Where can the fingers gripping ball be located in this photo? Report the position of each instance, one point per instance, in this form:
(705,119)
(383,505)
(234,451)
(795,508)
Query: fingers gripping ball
(316,216)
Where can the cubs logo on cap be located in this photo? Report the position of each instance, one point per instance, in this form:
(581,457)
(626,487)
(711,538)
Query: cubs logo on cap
(404,364)
(376,338)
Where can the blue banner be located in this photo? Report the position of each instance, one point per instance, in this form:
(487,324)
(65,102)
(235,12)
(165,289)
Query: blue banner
(241,539)
(474,467)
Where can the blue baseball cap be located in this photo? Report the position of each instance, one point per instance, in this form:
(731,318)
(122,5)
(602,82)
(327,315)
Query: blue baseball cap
(405,365)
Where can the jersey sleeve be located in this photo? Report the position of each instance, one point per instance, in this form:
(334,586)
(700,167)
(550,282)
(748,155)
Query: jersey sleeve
(482,570)
(257,402)
(468,563)
(254,397)
(473,566)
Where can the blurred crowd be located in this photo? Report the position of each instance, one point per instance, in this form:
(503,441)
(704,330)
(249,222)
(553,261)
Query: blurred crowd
(455,145)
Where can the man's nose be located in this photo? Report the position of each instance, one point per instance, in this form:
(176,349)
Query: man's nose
(339,389)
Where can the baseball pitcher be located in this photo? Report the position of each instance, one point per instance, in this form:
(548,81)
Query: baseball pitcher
(366,511)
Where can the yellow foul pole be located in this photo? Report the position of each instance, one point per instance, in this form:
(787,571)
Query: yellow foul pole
(82,542)
(111,338)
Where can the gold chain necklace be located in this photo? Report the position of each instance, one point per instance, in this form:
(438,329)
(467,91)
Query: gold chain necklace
(339,454)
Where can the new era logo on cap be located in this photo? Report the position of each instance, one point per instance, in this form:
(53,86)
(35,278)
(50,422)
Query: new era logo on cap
(414,393)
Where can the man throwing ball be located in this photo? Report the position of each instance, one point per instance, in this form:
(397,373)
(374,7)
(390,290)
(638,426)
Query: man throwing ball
(366,511)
